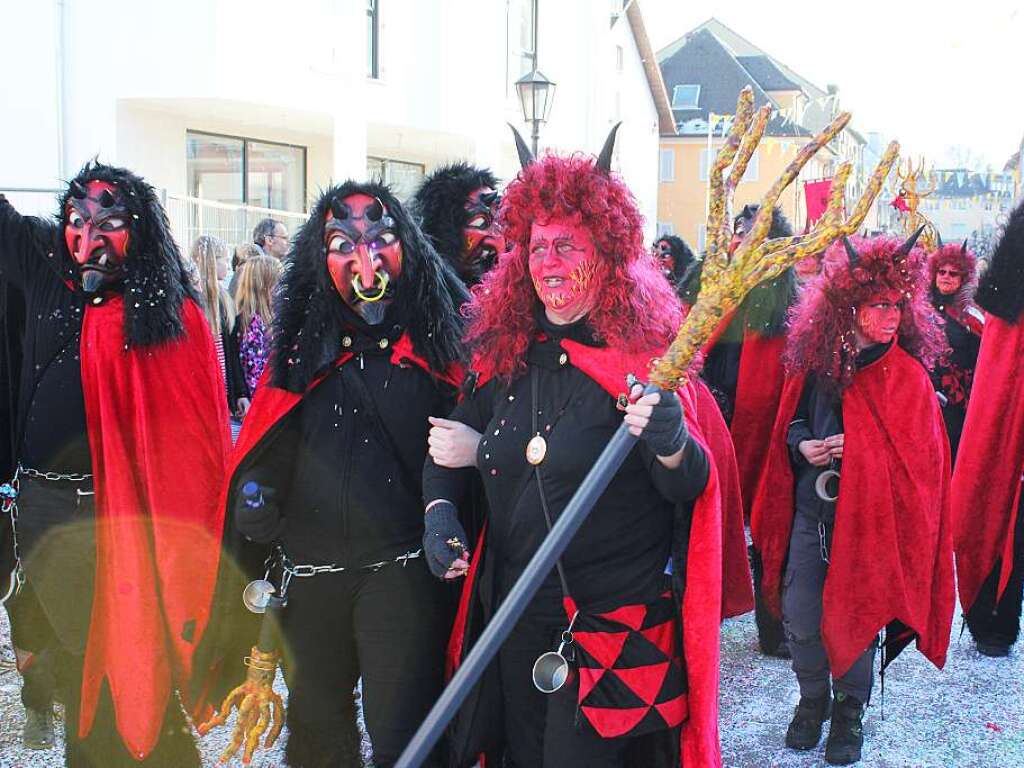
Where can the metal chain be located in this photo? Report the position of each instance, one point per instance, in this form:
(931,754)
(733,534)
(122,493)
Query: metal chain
(72,477)
(305,570)
(9,506)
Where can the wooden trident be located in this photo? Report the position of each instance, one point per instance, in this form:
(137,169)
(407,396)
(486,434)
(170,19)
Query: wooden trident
(725,279)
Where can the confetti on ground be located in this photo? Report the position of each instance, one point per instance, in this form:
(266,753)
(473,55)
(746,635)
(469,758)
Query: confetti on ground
(969,716)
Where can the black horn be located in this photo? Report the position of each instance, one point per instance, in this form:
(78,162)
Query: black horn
(78,191)
(938,238)
(525,155)
(963,248)
(851,252)
(604,160)
(908,245)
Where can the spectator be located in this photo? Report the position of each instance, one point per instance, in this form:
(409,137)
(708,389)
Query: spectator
(211,257)
(243,253)
(271,236)
(257,279)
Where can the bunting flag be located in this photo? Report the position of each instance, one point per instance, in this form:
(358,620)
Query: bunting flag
(816,195)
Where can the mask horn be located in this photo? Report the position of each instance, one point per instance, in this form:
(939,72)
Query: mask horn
(107,199)
(604,160)
(78,191)
(525,155)
(907,246)
(851,252)
(963,249)
(938,238)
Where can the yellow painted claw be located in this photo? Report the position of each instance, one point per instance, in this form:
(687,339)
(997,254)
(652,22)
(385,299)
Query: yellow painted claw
(258,707)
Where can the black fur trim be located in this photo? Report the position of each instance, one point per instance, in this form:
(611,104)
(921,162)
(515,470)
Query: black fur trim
(780,224)
(156,284)
(309,320)
(1001,288)
(439,205)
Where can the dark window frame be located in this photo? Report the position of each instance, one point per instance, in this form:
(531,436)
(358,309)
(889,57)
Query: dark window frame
(246,140)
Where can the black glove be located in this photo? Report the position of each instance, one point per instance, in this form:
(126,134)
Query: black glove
(444,538)
(258,519)
(666,431)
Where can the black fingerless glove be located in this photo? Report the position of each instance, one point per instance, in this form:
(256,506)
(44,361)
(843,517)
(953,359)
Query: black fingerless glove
(257,516)
(444,538)
(666,432)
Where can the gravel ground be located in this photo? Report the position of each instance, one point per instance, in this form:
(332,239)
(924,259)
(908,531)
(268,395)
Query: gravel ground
(969,716)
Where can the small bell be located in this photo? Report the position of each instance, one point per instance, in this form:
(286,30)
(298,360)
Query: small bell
(256,595)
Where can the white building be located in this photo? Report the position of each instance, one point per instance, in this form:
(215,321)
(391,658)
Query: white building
(232,104)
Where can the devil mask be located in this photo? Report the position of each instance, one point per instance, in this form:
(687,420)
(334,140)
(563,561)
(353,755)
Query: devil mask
(483,239)
(96,231)
(364,254)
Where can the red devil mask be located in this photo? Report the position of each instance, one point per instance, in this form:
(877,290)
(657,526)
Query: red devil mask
(96,230)
(364,254)
(563,263)
(878,318)
(663,255)
(482,237)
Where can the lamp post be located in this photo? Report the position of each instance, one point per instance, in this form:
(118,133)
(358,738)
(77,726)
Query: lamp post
(536,93)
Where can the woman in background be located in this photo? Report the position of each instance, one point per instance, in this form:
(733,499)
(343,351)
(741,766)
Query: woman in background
(257,279)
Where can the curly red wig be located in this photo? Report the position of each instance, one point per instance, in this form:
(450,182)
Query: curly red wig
(957,256)
(821,339)
(636,308)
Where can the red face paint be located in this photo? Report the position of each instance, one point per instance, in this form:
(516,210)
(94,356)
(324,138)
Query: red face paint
(482,238)
(96,230)
(662,252)
(563,263)
(878,319)
(364,254)
(948,280)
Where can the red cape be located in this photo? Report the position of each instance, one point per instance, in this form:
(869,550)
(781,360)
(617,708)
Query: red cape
(987,480)
(892,546)
(702,601)
(158,435)
(758,389)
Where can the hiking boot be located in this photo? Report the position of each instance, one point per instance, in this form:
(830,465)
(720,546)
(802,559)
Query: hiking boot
(804,730)
(38,730)
(846,733)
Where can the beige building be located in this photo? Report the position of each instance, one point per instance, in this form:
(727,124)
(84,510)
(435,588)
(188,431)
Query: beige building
(704,72)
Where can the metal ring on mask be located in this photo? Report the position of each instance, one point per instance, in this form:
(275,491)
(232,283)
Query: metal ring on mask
(382,279)
(821,485)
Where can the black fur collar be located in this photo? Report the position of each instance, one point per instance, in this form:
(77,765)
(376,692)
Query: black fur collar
(1001,288)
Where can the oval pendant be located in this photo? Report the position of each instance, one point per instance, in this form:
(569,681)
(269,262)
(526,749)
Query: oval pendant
(821,485)
(536,449)
(256,595)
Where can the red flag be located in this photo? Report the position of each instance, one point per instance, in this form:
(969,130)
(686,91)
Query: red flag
(816,194)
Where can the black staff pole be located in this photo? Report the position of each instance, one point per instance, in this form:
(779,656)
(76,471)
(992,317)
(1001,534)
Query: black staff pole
(519,596)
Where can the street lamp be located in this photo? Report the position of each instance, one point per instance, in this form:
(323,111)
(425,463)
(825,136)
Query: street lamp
(536,93)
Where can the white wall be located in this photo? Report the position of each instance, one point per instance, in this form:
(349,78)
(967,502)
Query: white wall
(138,74)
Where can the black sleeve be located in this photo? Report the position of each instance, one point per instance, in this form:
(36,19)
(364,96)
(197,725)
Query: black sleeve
(453,484)
(684,483)
(24,242)
(233,366)
(800,427)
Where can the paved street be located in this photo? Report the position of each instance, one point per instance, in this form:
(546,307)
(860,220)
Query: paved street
(969,716)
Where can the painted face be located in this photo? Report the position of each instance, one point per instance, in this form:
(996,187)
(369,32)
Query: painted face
(482,237)
(740,226)
(563,262)
(96,230)
(662,252)
(878,319)
(364,254)
(948,279)
(807,268)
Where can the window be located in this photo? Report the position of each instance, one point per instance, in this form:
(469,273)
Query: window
(667,167)
(373,38)
(685,97)
(522,45)
(403,178)
(665,228)
(236,170)
(751,172)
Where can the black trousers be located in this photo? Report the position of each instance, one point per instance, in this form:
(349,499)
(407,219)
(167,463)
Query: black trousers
(543,730)
(770,634)
(31,632)
(999,622)
(388,627)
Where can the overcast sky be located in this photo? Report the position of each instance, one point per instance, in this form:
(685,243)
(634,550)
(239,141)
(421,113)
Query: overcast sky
(932,75)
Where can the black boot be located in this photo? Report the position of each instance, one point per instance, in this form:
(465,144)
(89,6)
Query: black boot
(846,733)
(804,730)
